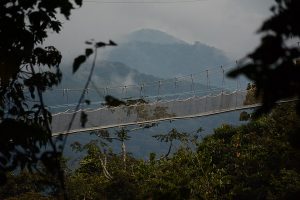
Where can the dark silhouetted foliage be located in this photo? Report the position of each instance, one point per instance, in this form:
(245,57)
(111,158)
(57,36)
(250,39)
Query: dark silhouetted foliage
(273,66)
(27,69)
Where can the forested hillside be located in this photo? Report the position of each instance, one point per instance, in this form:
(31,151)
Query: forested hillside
(258,160)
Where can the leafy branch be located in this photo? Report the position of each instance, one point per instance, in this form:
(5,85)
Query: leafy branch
(76,65)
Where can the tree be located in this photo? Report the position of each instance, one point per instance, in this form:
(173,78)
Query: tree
(273,66)
(101,173)
(256,160)
(27,69)
(173,135)
(252,161)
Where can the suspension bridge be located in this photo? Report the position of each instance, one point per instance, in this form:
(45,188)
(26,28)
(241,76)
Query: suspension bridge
(206,93)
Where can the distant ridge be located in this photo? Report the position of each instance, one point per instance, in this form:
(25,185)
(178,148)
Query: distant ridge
(152,36)
(160,54)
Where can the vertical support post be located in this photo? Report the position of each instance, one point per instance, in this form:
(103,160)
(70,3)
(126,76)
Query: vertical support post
(192,85)
(125,91)
(236,98)
(237,79)
(158,90)
(223,78)
(65,92)
(205,106)
(207,80)
(87,92)
(141,90)
(223,86)
(106,91)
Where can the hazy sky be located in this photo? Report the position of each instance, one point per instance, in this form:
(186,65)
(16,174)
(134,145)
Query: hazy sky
(226,24)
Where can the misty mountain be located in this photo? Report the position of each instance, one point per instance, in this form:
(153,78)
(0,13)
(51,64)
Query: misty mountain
(160,54)
(107,73)
(152,36)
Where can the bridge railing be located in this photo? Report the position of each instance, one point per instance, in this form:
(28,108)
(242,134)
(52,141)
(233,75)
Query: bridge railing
(141,113)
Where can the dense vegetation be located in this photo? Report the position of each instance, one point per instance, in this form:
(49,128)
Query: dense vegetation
(27,70)
(258,160)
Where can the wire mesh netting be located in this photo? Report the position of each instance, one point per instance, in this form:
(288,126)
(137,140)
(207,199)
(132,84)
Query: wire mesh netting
(139,113)
(209,81)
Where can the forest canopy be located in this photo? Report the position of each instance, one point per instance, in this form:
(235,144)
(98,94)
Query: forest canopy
(27,69)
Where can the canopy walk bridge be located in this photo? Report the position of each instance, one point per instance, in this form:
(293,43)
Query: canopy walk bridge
(191,96)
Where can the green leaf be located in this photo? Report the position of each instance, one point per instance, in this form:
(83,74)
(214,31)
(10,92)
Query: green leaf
(77,62)
(88,52)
